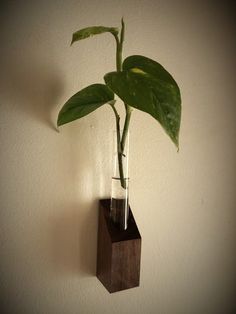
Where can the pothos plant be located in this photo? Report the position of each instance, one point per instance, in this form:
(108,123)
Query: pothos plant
(140,82)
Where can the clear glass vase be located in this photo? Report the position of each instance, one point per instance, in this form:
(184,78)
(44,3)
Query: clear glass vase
(119,210)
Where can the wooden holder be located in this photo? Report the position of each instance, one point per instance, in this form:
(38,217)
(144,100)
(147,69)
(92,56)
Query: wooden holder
(118,253)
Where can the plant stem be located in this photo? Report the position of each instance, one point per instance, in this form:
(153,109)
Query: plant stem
(126,127)
(121,141)
(118,54)
(128,109)
(119,151)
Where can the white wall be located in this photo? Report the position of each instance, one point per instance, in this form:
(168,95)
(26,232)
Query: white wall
(184,203)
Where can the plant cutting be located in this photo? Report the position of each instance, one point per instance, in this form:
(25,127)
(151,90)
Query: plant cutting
(140,83)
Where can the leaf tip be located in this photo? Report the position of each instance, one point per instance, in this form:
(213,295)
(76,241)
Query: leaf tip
(175,140)
(72,40)
(177,145)
(112,102)
(59,122)
(57,126)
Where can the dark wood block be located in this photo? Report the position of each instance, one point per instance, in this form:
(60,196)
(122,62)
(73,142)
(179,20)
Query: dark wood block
(118,252)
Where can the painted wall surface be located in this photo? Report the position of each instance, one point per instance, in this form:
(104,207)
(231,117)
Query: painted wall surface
(50,182)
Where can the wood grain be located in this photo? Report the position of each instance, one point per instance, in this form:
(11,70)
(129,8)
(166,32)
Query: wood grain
(118,253)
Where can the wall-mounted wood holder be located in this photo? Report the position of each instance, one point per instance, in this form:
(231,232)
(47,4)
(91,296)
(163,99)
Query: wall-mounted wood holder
(118,252)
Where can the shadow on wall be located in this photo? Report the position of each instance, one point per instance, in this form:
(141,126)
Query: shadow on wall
(74,240)
(32,84)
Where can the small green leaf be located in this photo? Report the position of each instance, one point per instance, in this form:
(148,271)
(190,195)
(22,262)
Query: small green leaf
(145,85)
(84,102)
(93,30)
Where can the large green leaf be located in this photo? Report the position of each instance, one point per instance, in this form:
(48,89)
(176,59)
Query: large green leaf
(145,85)
(93,30)
(84,102)
(149,66)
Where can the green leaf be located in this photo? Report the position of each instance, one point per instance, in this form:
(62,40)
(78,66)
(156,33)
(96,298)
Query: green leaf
(145,85)
(84,102)
(93,30)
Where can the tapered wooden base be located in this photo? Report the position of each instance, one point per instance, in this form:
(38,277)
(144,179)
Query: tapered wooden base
(118,253)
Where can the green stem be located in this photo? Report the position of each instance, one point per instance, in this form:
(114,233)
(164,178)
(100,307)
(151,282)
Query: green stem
(119,46)
(128,109)
(118,54)
(121,141)
(126,127)
(119,151)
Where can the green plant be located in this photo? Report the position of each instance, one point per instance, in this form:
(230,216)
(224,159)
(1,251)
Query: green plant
(138,81)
